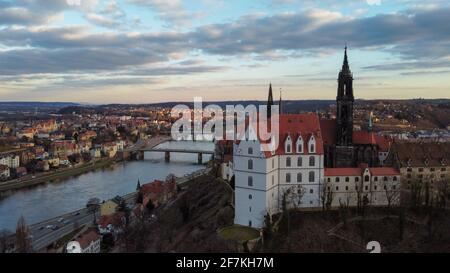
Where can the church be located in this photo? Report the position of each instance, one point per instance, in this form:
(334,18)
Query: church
(343,146)
(314,156)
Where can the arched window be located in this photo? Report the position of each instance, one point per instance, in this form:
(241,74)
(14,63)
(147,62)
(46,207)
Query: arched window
(299,161)
(288,161)
(250,150)
(288,145)
(299,177)
(288,178)
(311,176)
(299,145)
(250,164)
(366,178)
(312,145)
(347,179)
(250,181)
(250,196)
(312,161)
(337,179)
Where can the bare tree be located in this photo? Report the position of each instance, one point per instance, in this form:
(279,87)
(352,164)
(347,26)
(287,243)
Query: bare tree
(443,192)
(392,194)
(326,197)
(22,236)
(3,240)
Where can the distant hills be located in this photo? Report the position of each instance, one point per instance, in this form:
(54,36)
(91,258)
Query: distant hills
(28,106)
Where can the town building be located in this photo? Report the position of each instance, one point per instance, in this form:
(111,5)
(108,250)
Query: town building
(88,242)
(4,172)
(10,160)
(424,168)
(377,186)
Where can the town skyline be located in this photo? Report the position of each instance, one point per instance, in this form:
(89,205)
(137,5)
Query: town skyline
(138,51)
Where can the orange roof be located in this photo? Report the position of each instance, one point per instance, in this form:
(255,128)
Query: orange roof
(384,171)
(343,171)
(115,219)
(86,238)
(378,171)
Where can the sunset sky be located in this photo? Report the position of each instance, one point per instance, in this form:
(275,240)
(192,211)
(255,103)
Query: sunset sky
(139,51)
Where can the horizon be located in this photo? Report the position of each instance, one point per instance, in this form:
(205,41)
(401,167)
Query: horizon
(126,51)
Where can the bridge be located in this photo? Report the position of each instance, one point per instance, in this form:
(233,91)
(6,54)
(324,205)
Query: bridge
(168,151)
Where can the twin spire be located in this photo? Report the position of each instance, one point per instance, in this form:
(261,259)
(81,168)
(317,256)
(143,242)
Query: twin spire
(270,103)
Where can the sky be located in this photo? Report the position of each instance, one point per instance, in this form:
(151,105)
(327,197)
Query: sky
(143,51)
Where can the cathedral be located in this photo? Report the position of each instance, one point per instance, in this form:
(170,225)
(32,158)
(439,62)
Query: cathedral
(343,146)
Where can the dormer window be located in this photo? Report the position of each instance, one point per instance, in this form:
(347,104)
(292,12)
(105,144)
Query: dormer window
(288,145)
(312,145)
(300,145)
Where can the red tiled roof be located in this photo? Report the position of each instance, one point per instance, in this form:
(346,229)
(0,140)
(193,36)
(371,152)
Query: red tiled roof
(294,125)
(115,219)
(343,171)
(86,238)
(384,171)
(378,171)
(364,137)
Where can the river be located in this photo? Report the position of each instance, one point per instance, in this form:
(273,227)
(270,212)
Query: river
(49,200)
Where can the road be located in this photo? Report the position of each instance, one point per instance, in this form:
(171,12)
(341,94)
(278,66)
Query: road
(42,235)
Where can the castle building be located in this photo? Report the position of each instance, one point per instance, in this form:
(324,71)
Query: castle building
(313,157)
(343,146)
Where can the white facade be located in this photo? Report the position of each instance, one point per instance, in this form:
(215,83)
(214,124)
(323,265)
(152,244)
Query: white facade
(262,179)
(12,161)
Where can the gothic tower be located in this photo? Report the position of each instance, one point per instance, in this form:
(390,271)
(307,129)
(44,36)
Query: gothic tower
(269,102)
(344,101)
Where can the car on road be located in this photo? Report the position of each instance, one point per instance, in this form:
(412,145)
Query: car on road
(76,213)
(55,228)
(60,220)
(41,228)
(49,226)
(65,222)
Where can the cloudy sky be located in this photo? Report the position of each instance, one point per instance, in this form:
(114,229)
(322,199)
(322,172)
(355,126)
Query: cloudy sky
(171,50)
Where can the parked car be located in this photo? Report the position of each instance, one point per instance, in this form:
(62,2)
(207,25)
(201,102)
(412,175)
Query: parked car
(49,226)
(55,228)
(60,220)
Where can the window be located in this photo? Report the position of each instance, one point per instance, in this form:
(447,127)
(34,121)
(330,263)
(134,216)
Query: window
(431,169)
(329,179)
(311,176)
(347,179)
(250,197)
(346,188)
(356,179)
(420,170)
(337,188)
(394,178)
(273,179)
(299,177)
(250,164)
(288,178)
(249,223)
(443,169)
(375,178)
(409,170)
(250,150)
(250,209)
(367,188)
(250,181)
(393,187)
(366,178)
(273,163)
(299,161)
(312,161)
(300,145)
(337,179)
(374,188)
(288,161)
(311,191)
(312,148)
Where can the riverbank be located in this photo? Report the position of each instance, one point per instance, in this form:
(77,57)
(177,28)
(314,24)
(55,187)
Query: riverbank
(55,176)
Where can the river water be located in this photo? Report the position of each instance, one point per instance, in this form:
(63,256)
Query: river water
(50,200)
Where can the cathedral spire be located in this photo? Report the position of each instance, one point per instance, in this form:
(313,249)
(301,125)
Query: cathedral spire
(269,102)
(280,104)
(345,66)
